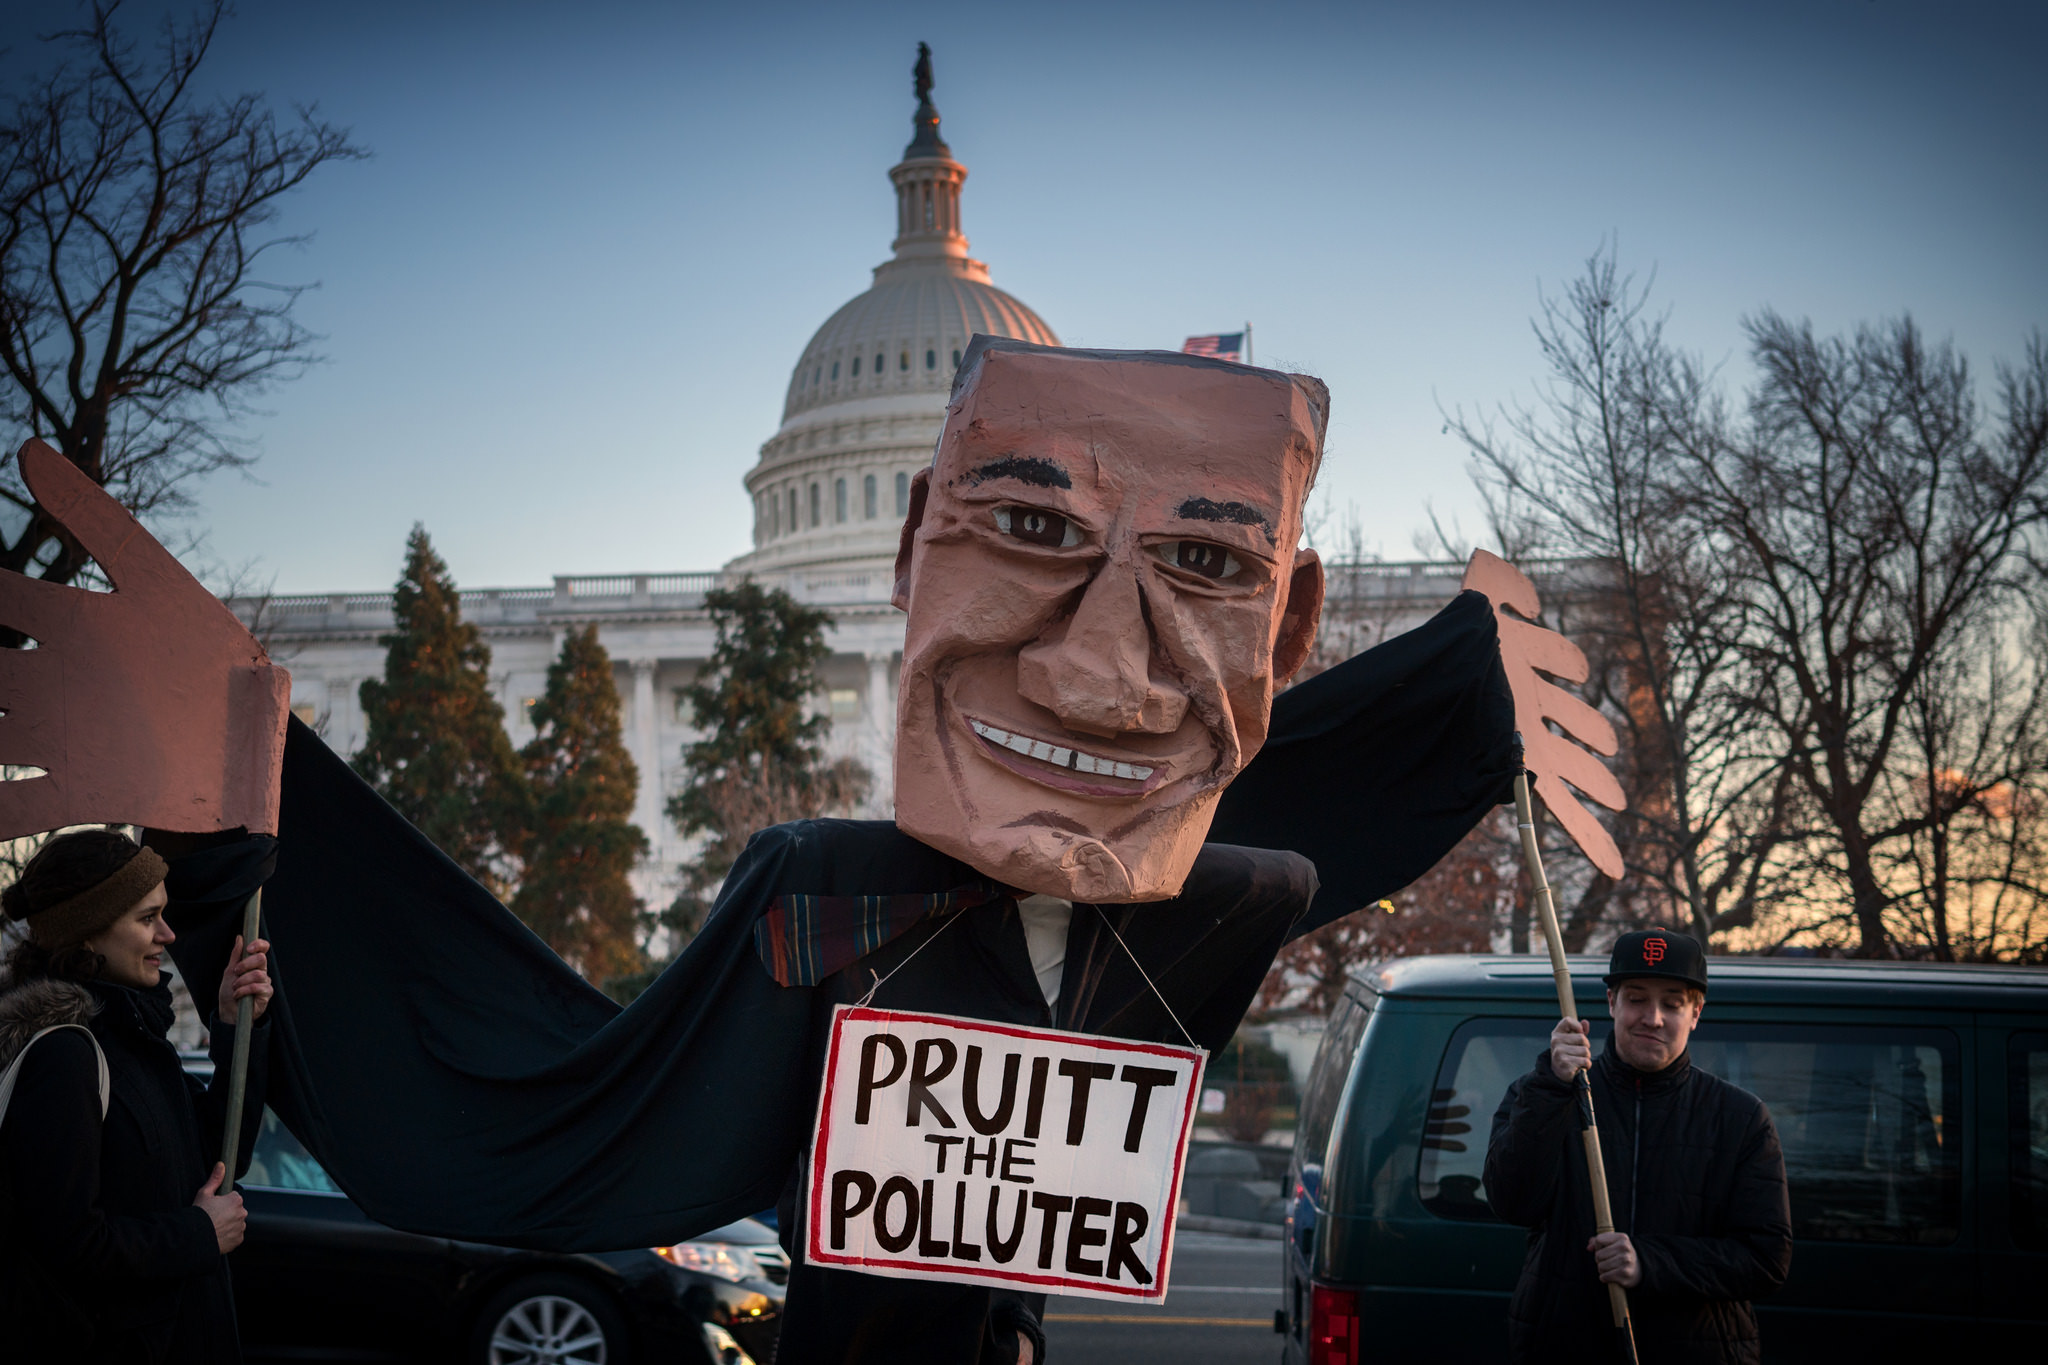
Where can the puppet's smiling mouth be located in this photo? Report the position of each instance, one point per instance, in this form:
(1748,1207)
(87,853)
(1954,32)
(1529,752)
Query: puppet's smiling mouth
(1061,756)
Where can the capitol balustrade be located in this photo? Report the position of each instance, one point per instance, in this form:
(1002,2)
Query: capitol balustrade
(580,598)
(573,599)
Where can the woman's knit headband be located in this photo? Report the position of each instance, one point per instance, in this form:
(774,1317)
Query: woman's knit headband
(69,923)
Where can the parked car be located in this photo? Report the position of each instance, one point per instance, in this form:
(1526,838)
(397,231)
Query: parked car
(317,1277)
(1911,1100)
(1241,1181)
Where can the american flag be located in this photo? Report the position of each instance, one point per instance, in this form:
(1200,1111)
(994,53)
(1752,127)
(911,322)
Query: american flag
(1222,346)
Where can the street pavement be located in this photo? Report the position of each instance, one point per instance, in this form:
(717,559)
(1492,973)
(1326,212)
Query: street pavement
(1219,1308)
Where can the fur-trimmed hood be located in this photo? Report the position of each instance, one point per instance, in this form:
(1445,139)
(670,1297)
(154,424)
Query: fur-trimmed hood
(29,1007)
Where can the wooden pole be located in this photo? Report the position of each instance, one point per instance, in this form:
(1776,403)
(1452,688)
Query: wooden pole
(238,1070)
(1596,1168)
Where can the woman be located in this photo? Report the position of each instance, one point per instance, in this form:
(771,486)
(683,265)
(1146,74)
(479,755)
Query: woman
(113,1232)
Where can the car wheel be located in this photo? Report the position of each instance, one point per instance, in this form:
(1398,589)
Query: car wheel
(549,1320)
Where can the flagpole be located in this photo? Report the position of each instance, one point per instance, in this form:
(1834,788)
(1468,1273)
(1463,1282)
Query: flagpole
(1247,343)
(1561,973)
(238,1066)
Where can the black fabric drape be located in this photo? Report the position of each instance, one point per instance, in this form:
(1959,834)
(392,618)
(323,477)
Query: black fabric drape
(1374,769)
(459,1080)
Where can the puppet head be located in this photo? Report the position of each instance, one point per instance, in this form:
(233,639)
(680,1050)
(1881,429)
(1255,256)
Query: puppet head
(1104,590)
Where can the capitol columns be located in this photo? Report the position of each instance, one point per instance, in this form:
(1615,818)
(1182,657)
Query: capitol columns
(645,756)
(881,719)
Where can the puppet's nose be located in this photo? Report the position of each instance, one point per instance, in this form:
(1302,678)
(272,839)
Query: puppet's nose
(1094,669)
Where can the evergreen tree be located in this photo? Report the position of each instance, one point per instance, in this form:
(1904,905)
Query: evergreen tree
(576,840)
(762,758)
(752,695)
(436,745)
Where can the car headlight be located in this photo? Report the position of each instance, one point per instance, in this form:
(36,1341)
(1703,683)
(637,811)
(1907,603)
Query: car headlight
(723,1348)
(711,1258)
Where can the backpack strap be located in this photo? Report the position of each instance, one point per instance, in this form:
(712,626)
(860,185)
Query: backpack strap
(14,1069)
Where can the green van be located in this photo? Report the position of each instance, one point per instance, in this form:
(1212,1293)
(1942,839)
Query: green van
(1911,1099)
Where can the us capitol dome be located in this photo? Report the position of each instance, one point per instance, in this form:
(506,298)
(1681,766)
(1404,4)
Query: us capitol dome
(867,397)
(865,405)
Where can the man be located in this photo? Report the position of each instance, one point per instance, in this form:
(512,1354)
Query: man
(1697,1181)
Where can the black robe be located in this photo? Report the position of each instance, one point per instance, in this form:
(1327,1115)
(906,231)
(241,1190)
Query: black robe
(458,1080)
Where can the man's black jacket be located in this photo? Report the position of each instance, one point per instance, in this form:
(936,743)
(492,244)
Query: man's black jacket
(1697,1181)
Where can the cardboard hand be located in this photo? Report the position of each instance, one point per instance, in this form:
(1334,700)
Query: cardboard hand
(148,705)
(1529,651)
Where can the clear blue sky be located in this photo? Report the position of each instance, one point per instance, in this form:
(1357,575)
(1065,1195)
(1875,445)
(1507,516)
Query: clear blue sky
(561,303)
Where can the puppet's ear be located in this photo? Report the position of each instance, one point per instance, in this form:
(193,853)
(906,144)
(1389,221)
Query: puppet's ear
(920,487)
(1298,617)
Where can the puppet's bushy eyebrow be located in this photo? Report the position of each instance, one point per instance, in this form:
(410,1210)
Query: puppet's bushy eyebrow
(1031,469)
(1236,513)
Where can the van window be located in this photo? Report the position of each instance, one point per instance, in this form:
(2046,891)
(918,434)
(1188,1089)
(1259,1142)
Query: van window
(1867,1118)
(1326,1079)
(2028,1108)
(1870,1119)
(1484,1056)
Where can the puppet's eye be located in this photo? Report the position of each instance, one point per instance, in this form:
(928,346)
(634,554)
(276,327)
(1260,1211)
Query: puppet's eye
(1036,526)
(1200,558)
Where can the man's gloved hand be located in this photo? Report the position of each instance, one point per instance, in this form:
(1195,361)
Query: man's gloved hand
(1614,1256)
(1571,1049)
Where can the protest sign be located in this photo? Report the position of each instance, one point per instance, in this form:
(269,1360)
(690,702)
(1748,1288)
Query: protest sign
(954,1149)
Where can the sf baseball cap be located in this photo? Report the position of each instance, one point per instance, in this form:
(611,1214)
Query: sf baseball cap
(1658,952)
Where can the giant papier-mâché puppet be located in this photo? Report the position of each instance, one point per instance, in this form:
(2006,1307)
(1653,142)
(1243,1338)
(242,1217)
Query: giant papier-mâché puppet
(1106,823)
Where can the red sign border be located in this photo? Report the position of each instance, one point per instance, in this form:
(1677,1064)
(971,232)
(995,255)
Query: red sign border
(814,1250)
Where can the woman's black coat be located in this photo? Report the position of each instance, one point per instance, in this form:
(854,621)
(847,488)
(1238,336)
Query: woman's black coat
(106,1256)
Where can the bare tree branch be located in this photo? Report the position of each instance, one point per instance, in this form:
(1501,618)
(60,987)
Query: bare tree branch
(1820,632)
(134,216)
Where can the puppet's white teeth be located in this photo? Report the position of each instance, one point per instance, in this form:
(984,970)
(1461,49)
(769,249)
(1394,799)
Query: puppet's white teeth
(1059,757)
